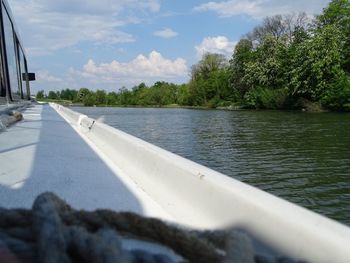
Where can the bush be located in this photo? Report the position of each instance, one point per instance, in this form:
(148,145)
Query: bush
(307,105)
(224,103)
(337,96)
(263,98)
(347,107)
(40,95)
(89,100)
(213,102)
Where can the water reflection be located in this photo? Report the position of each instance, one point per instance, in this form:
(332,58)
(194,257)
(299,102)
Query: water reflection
(301,157)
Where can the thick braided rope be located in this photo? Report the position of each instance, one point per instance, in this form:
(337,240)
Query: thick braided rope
(54,232)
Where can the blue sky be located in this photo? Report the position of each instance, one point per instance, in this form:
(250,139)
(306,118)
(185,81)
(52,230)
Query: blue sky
(108,44)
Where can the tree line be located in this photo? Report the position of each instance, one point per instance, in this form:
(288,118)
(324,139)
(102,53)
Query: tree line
(287,62)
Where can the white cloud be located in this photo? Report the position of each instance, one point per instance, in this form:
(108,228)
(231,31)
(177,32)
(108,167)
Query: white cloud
(148,69)
(166,33)
(220,45)
(230,8)
(115,74)
(93,6)
(49,25)
(45,76)
(262,8)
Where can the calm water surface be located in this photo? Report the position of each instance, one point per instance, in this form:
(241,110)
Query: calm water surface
(301,157)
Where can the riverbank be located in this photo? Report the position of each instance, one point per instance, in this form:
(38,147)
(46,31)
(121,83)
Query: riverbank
(170,106)
(304,106)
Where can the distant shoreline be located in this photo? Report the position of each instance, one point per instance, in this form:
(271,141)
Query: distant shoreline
(308,108)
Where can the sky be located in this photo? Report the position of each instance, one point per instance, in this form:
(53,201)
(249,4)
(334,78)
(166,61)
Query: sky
(110,44)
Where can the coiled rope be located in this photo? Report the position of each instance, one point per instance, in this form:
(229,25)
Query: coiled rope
(54,232)
(9,119)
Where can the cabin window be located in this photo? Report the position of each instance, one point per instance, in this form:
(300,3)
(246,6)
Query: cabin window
(23,71)
(2,82)
(2,86)
(11,55)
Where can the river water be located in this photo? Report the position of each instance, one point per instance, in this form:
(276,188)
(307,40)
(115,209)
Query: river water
(301,157)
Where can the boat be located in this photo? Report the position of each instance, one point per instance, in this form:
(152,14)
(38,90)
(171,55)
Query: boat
(92,165)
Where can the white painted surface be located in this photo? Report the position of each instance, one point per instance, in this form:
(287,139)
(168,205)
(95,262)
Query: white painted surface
(43,153)
(200,197)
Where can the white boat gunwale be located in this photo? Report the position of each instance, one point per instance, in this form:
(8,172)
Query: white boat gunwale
(199,197)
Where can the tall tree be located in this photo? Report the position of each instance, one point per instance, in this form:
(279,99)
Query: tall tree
(242,55)
(277,27)
(317,64)
(338,14)
(209,80)
(100,97)
(82,93)
(52,95)
(266,68)
(40,94)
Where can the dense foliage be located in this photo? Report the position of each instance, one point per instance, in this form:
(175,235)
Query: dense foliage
(286,62)
(160,94)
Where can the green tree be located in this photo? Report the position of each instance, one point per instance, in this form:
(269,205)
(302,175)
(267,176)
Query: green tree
(209,80)
(40,95)
(112,98)
(317,64)
(337,13)
(266,68)
(89,99)
(68,94)
(141,94)
(100,97)
(125,97)
(197,93)
(210,62)
(183,95)
(82,93)
(158,93)
(52,95)
(337,96)
(242,55)
(261,67)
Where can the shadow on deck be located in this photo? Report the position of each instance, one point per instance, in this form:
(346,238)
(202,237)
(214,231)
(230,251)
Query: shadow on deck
(44,153)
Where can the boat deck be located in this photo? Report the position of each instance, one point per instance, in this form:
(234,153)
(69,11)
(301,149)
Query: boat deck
(44,153)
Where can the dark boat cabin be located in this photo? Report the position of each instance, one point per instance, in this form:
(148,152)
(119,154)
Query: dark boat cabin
(14,76)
